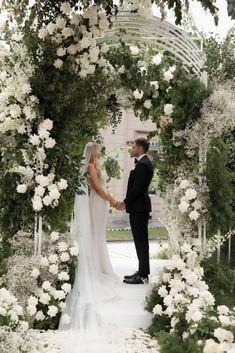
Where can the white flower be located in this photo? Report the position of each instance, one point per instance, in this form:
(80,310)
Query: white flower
(62,184)
(147,103)
(183,206)
(60,22)
(162,291)
(168,76)
(53,258)
(37,203)
(64,257)
(58,63)
(39,190)
(134,50)
(157,59)
(46,124)
(62,246)
(222,310)
(154,84)
(67,32)
(61,51)
(54,194)
(46,285)
(223,335)
(59,294)
(65,319)
(210,346)
(24,326)
(184,184)
(157,310)
(42,33)
(172,69)
(43,133)
(138,94)
(66,287)
(47,200)
(224,320)
(45,298)
(63,276)
(21,188)
(35,273)
(65,7)
(75,20)
(32,301)
(53,269)
(73,251)
(31,309)
(54,236)
(15,111)
(51,27)
(3,311)
(191,194)
(52,310)
(40,316)
(197,204)
(154,279)
(42,180)
(194,215)
(34,140)
(168,109)
(50,143)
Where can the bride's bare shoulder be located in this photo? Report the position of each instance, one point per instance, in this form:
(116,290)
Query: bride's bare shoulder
(91,168)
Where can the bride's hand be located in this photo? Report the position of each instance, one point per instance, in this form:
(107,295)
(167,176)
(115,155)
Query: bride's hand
(113,203)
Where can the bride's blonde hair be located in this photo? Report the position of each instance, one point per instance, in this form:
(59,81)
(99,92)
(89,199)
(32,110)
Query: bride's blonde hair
(93,159)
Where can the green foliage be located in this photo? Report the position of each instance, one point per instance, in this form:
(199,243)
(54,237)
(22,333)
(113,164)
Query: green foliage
(219,181)
(188,100)
(221,281)
(112,168)
(173,343)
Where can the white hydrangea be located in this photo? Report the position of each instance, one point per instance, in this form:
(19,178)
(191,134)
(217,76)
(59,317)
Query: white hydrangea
(53,258)
(34,140)
(37,203)
(40,316)
(62,246)
(73,251)
(66,287)
(58,63)
(45,298)
(183,206)
(50,142)
(64,257)
(63,276)
(53,269)
(54,236)
(62,184)
(21,188)
(157,310)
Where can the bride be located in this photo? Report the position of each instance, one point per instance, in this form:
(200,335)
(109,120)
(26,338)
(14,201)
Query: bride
(84,327)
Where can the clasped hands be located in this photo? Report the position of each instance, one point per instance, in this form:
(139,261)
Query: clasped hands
(118,205)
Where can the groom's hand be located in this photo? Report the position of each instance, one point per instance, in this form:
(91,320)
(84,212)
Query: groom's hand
(120,206)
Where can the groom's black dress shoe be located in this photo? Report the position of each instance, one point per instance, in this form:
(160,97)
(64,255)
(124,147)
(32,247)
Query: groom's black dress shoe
(136,280)
(130,276)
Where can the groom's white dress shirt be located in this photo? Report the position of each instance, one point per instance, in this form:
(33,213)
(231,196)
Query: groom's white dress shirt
(141,156)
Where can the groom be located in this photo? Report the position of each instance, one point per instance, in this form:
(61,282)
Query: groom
(138,204)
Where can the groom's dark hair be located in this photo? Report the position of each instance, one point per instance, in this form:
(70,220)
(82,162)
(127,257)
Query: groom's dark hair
(143,142)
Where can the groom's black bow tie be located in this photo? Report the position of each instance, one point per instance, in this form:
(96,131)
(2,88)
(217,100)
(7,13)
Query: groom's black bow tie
(136,161)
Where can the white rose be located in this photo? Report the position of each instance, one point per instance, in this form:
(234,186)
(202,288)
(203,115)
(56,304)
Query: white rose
(65,7)
(63,276)
(64,257)
(157,59)
(148,103)
(47,200)
(134,50)
(43,133)
(197,204)
(53,269)
(190,194)
(162,291)
(168,76)
(35,273)
(65,319)
(138,94)
(168,109)
(62,184)
(39,190)
(50,142)
(61,51)
(183,207)
(46,285)
(21,188)
(54,194)
(223,335)
(54,236)
(73,251)
(52,310)
(210,346)
(45,298)
(58,63)
(157,310)
(40,316)
(154,84)
(222,310)
(42,180)
(66,287)
(194,215)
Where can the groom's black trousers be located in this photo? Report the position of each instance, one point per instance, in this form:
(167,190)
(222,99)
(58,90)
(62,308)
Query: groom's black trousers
(139,227)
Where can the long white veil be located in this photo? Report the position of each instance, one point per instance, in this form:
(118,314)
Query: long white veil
(82,328)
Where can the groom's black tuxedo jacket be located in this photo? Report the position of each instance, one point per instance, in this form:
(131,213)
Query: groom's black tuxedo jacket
(137,197)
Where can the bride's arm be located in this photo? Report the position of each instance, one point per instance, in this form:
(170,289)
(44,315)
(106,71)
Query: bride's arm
(95,183)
